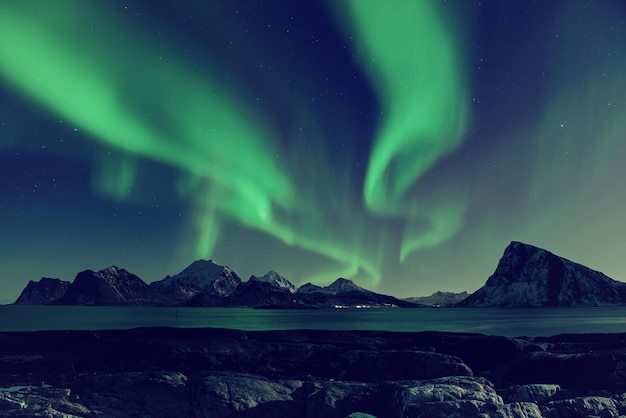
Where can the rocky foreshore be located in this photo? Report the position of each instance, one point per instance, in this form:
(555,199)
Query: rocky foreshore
(156,372)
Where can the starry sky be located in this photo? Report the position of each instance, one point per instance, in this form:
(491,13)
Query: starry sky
(402,144)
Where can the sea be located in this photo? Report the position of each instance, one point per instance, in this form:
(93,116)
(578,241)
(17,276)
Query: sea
(510,322)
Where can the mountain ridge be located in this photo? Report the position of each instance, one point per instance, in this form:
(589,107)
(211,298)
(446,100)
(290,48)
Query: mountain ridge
(526,276)
(204,283)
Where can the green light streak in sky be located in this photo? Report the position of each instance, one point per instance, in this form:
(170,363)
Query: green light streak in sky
(115,176)
(144,100)
(442,223)
(81,76)
(141,98)
(410,57)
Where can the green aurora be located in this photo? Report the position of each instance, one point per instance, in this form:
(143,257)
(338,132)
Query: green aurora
(394,191)
(168,112)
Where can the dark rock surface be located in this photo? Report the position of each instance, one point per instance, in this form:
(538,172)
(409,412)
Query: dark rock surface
(277,280)
(202,283)
(256,293)
(529,276)
(42,292)
(153,372)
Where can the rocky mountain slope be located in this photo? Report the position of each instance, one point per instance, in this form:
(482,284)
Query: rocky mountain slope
(202,281)
(110,286)
(345,293)
(42,292)
(529,276)
(278,281)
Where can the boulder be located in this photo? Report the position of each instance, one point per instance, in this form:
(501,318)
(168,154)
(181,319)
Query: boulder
(44,401)
(588,406)
(534,393)
(147,394)
(447,397)
(234,394)
(337,399)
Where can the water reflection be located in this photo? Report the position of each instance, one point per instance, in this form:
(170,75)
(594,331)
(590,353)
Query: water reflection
(507,322)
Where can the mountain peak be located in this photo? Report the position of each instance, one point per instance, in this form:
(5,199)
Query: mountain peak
(43,292)
(531,276)
(309,288)
(109,286)
(344,285)
(277,280)
(112,269)
(201,276)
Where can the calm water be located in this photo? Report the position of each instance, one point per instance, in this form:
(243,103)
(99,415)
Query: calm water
(508,322)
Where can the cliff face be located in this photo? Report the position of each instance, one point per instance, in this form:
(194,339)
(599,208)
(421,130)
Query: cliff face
(529,276)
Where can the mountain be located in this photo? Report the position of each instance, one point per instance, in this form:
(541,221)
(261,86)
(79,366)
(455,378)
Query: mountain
(203,283)
(259,293)
(269,291)
(111,286)
(343,293)
(529,276)
(42,292)
(439,299)
(277,280)
(339,286)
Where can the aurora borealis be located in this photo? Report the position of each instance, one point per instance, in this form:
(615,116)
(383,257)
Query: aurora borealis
(400,144)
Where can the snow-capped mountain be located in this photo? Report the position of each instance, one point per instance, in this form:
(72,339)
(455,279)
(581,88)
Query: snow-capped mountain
(42,292)
(529,276)
(202,277)
(277,280)
(258,293)
(110,286)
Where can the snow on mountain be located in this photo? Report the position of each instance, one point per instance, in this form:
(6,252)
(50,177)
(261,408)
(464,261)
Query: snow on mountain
(529,276)
(200,277)
(277,280)
(110,286)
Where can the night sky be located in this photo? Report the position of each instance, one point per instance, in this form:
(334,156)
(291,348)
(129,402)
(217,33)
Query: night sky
(402,144)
